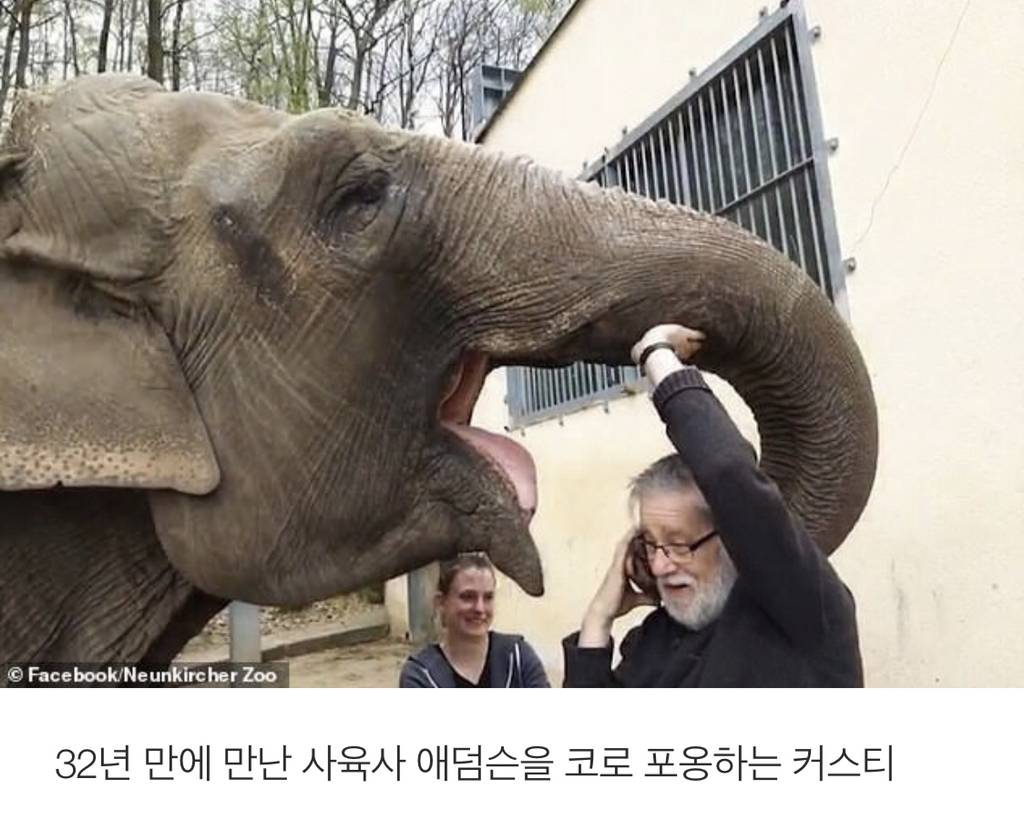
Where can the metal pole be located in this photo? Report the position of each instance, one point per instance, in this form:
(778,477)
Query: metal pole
(244,628)
(420,586)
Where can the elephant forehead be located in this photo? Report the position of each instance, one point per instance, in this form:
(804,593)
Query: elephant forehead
(246,176)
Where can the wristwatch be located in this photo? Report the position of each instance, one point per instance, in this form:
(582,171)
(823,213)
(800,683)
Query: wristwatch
(651,348)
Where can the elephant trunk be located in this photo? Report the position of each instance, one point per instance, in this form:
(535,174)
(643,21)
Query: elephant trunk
(582,272)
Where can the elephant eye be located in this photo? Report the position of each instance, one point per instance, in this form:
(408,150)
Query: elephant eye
(353,206)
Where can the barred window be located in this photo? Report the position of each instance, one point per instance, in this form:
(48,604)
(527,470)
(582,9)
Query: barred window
(744,141)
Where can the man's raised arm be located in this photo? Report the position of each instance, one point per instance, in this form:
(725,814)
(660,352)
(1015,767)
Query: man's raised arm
(779,565)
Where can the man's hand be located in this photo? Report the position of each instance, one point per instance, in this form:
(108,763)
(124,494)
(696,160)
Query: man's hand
(661,363)
(614,598)
(686,341)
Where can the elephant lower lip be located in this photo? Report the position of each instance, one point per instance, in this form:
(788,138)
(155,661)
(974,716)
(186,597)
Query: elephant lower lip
(511,460)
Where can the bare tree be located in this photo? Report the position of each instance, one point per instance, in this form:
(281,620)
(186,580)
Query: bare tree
(293,25)
(45,61)
(416,57)
(382,57)
(176,46)
(195,54)
(71,41)
(378,83)
(363,19)
(24,26)
(133,21)
(10,16)
(497,32)
(155,42)
(460,48)
(245,59)
(101,53)
(325,87)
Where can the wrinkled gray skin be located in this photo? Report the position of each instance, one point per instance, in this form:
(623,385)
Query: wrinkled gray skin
(225,332)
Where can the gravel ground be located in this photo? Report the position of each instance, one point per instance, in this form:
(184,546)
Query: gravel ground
(372,664)
(281,620)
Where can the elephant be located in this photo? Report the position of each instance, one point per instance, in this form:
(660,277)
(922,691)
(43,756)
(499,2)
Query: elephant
(240,350)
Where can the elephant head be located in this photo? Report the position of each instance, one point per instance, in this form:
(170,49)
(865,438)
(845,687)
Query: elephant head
(278,325)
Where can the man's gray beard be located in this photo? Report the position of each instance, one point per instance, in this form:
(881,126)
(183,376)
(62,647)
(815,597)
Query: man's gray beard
(709,597)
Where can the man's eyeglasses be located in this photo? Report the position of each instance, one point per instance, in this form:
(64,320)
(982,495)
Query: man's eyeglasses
(678,553)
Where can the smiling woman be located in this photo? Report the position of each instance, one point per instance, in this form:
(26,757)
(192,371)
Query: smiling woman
(470,654)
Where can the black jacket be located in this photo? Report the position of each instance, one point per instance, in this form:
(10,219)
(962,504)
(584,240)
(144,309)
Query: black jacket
(512,663)
(789,621)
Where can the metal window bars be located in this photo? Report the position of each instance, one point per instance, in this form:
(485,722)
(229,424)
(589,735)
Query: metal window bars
(744,141)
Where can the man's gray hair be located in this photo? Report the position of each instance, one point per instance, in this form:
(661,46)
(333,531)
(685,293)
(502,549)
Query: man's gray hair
(669,474)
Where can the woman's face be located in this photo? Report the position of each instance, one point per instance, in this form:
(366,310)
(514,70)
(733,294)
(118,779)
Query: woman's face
(468,607)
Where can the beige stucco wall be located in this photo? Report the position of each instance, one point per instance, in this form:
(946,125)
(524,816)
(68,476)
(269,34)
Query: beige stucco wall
(929,193)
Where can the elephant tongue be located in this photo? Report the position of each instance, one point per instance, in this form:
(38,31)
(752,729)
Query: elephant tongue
(512,460)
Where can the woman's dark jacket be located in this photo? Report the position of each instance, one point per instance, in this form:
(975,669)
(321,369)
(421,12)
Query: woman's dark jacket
(512,663)
(789,621)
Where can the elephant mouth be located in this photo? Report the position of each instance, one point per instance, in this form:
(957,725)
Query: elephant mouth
(510,461)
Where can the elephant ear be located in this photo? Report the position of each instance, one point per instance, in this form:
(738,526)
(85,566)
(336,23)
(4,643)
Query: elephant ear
(91,391)
(91,394)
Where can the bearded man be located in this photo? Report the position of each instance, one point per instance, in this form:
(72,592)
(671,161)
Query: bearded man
(745,598)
